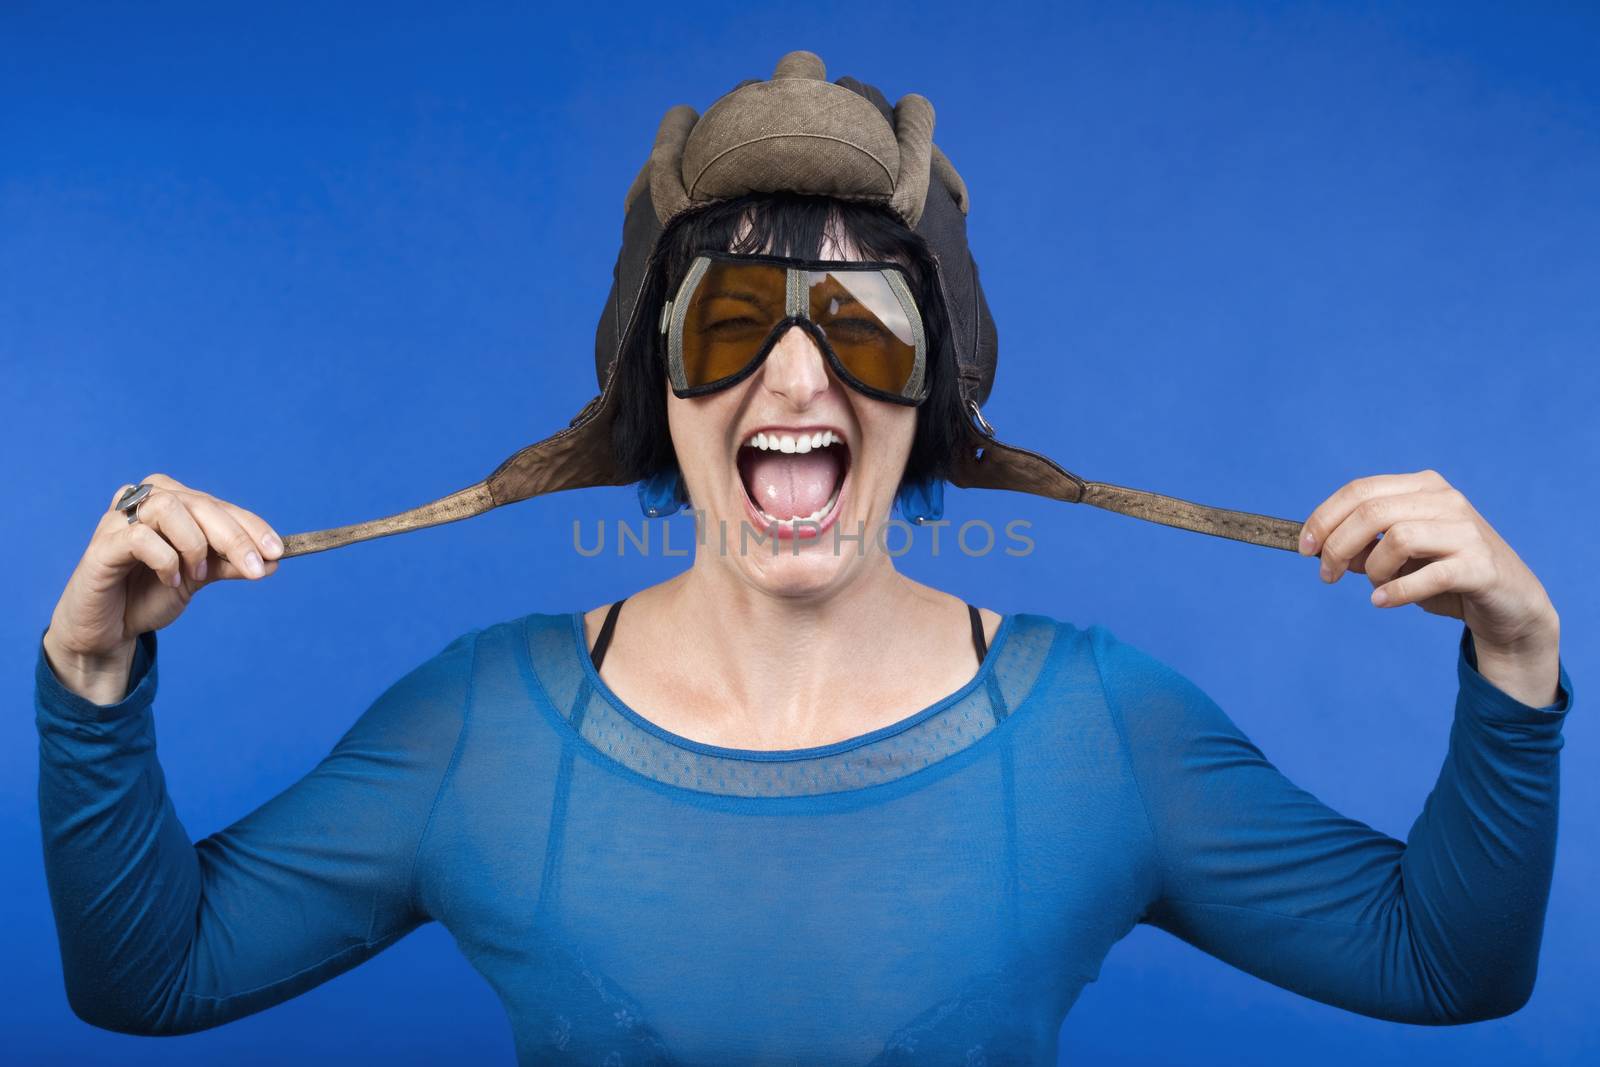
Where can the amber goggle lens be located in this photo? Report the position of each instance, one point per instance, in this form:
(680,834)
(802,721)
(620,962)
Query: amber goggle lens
(725,318)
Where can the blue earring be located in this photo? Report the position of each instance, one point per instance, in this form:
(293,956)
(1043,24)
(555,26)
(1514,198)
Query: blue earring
(921,501)
(663,494)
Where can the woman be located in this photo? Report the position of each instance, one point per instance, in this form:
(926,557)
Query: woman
(791,806)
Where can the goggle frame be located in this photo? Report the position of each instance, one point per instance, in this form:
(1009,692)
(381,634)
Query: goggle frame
(796,313)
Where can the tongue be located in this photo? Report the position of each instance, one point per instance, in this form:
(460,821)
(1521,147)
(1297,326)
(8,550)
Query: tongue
(787,485)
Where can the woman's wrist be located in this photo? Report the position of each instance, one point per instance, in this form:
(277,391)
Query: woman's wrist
(99,679)
(1528,671)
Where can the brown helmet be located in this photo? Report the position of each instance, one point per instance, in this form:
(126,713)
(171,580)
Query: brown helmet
(801,133)
(798,132)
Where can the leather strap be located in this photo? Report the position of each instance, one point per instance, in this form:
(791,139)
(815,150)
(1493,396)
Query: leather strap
(580,456)
(988,463)
(574,458)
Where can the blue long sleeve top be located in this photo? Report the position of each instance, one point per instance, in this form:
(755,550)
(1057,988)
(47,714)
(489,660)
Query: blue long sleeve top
(935,891)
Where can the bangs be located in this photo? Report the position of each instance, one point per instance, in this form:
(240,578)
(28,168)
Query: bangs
(796,226)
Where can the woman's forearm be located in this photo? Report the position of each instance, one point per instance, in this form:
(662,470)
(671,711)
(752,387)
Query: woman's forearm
(99,680)
(1528,673)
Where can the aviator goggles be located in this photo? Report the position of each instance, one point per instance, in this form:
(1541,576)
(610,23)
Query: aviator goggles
(731,309)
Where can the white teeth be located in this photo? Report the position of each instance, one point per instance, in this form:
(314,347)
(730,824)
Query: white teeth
(772,442)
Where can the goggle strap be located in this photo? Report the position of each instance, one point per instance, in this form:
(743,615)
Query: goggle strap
(680,310)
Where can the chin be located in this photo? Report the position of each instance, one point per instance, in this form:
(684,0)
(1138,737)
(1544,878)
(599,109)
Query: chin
(810,574)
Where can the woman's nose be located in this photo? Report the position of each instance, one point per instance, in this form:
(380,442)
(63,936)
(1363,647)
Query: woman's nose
(795,368)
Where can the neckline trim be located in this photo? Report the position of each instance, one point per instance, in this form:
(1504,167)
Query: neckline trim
(580,647)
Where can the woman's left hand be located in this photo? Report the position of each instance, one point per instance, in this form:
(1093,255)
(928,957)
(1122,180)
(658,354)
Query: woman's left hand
(1437,552)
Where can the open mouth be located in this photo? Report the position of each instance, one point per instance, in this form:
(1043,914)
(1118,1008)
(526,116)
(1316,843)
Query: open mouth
(793,479)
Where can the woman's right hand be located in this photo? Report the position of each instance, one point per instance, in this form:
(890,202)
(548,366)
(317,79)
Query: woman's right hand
(137,577)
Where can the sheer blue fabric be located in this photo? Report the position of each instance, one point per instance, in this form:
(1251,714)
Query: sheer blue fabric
(937,891)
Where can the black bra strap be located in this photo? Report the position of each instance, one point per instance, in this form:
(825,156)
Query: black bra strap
(978,642)
(599,652)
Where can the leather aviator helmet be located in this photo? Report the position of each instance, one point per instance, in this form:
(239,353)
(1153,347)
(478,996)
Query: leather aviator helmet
(798,132)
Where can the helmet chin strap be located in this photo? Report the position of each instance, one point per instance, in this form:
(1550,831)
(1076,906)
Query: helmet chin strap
(988,463)
(579,457)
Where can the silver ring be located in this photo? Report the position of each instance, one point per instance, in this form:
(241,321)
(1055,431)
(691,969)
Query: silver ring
(128,503)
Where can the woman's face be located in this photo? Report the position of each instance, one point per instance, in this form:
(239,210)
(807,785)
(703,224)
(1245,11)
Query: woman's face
(748,487)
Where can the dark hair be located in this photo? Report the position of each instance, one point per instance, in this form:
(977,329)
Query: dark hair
(785,224)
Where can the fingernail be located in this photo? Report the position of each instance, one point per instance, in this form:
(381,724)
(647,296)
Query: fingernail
(253,565)
(1380,597)
(1326,572)
(200,571)
(272,544)
(1308,541)
(177,578)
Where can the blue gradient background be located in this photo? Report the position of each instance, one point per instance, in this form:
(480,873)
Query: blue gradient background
(337,260)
